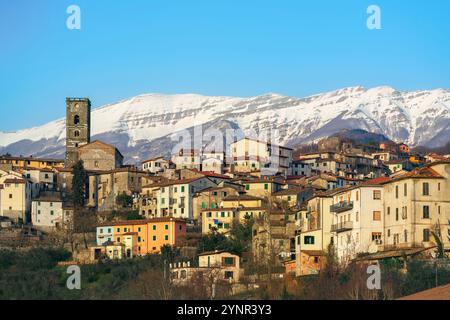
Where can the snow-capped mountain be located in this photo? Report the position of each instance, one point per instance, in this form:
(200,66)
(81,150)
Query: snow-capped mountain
(142,126)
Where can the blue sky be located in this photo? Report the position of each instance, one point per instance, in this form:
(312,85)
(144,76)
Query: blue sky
(211,47)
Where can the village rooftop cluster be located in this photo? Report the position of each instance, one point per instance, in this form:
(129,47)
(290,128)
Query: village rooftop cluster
(369,202)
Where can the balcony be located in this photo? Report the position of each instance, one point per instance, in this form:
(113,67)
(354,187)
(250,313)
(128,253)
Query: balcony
(341,206)
(341,227)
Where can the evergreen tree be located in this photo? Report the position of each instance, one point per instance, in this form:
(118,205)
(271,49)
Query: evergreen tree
(79,182)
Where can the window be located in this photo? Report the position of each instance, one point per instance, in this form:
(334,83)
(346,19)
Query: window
(426,235)
(426,189)
(266,186)
(76,119)
(154,238)
(228,275)
(118,239)
(308,239)
(426,212)
(10,195)
(405,235)
(377,215)
(139,229)
(439,186)
(396,192)
(166,226)
(396,214)
(405,189)
(154,227)
(139,239)
(228,261)
(376,194)
(404,212)
(166,238)
(118,229)
(76,133)
(247,187)
(203,205)
(376,236)
(357,195)
(182,188)
(388,210)
(51,212)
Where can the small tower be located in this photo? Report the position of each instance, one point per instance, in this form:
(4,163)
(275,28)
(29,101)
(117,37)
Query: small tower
(78,127)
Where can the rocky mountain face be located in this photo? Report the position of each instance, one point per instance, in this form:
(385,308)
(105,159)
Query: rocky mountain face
(151,124)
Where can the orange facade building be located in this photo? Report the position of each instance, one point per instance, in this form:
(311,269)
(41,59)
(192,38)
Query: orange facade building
(150,235)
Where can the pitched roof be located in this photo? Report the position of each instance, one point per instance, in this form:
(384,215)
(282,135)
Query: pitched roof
(424,173)
(138,222)
(175,182)
(211,174)
(154,159)
(207,253)
(15,180)
(102,143)
(376,181)
(286,192)
(4,157)
(242,197)
(438,293)
(396,161)
(332,192)
(37,169)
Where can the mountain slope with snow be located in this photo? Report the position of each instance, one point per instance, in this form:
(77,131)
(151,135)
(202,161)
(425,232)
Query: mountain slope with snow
(141,126)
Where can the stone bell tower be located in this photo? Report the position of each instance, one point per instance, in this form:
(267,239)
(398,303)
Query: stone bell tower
(78,127)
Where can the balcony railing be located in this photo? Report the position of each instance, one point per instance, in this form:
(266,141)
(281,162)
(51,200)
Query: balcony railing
(342,226)
(341,206)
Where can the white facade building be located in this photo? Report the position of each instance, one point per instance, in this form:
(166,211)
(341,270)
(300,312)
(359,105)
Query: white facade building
(251,155)
(174,198)
(357,220)
(47,212)
(155,165)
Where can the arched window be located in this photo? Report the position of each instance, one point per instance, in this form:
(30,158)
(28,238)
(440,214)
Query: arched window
(76,133)
(76,119)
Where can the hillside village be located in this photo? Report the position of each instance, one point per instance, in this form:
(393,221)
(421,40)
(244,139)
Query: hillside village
(367,202)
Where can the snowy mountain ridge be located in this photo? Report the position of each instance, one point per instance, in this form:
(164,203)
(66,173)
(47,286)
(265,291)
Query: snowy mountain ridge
(141,126)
